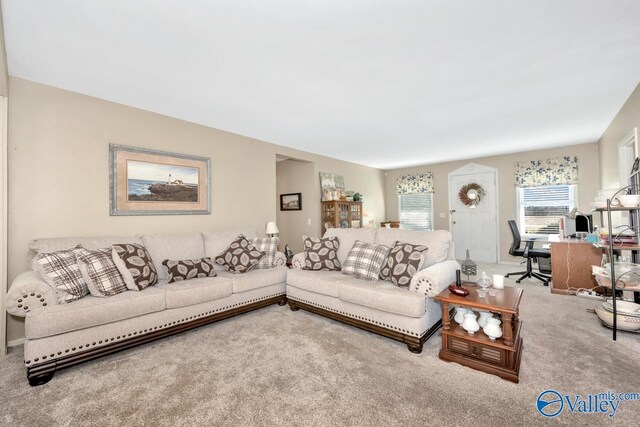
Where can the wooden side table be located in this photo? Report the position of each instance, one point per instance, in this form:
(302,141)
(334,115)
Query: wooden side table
(500,357)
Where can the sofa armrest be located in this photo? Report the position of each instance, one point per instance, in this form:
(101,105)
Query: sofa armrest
(280,259)
(29,292)
(433,279)
(298,260)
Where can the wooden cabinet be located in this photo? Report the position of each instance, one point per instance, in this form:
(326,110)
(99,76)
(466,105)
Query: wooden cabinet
(338,214)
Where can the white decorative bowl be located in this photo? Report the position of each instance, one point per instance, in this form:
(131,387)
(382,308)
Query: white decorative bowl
(625,308)
(629,200)
(625,323)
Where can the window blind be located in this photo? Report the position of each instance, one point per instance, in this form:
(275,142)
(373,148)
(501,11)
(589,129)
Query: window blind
(416,211)
(541,207)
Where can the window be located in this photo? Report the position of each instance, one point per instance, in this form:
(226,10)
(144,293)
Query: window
(416,211)
(540,208)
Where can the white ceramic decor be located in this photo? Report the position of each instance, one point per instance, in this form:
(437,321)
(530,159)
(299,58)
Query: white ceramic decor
(459,317)
(470,323)
(492,328)
(484,315)
(498,281)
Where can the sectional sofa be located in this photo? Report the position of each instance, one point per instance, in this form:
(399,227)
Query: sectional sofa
(62,335)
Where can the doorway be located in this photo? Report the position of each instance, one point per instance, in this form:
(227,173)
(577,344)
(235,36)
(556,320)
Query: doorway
(474,225)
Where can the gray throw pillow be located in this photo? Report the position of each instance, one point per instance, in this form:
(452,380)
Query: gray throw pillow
(188,269)
(135,265)
(240,257)
(365,260)
(268,245)
(321,254)
(100,272)
(61,271)
(404,260)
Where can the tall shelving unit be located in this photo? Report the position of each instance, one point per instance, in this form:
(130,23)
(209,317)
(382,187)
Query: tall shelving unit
(633,188)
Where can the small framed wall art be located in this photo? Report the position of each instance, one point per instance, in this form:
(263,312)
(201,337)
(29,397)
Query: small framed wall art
(291,202)
(152,182)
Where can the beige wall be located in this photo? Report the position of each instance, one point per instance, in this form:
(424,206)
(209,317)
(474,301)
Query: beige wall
(4,74)
(589,185)
(293,176)
(59,171)
(627,118)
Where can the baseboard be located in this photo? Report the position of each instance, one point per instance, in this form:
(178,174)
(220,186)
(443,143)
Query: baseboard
(15,343)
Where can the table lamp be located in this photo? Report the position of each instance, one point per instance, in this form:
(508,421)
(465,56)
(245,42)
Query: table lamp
(271,229)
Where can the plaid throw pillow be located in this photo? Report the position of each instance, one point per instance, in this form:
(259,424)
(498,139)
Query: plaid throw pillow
(240,257)
(403,261)
(134,263)
(100,272)
(60,270)
(365,260)
(188,269)
(321,254)
(268,245)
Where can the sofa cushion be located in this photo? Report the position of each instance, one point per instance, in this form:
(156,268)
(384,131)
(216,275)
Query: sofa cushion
(402,263)
(100,272)
(194,291)
(348,236)
(217,241)
(268,245)
(135,264)
(52,244)
(61,271)
(256,278)
(365,260)
(92,311)
(180,246)
(321,254)
(240,257)
(321,282)
(187,269)
(437,242)
(383,296)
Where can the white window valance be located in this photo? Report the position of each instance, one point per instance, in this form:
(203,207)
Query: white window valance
(555,171)
(415,183)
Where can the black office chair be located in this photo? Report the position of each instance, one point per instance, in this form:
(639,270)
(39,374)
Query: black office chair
(528,252)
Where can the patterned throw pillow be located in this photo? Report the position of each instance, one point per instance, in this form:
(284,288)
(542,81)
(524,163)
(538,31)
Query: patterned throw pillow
(268,245)
(365,260)
(135,265)
(321,254)
(60,270)
(188,269)
(403,261)
(240,257)
(100,272)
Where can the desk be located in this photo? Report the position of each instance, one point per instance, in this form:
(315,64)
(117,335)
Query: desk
(571,261)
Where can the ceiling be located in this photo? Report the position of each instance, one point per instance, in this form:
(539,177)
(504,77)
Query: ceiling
(382,83)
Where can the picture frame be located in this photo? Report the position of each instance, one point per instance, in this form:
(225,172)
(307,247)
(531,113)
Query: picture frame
(331,186)
(291,202)
(143,181)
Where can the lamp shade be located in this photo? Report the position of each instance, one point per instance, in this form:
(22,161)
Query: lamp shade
(271,228)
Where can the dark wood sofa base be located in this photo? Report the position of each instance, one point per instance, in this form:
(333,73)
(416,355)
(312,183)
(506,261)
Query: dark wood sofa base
(43,372)
(414,344)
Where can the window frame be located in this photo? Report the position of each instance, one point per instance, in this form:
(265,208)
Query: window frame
(573,189)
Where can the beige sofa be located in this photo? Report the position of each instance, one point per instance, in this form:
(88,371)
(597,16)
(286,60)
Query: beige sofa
(61,335)
(407,315)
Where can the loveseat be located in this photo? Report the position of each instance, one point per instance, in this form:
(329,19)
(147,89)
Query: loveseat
(410,315)
(59,335)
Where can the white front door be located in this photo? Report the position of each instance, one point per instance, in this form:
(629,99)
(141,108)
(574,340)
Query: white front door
(474,228)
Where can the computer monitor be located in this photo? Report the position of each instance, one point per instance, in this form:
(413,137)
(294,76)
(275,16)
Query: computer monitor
(584,223)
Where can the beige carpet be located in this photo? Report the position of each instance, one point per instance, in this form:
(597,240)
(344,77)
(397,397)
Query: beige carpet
(278,367)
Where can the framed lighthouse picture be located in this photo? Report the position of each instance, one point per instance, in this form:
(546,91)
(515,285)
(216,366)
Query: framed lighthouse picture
(151,182)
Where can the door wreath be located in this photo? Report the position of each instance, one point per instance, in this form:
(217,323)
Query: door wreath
(471,194)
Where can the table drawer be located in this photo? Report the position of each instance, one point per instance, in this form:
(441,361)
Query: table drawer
(478,351)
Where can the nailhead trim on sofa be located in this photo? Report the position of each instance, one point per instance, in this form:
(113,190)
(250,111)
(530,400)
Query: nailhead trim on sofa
(354,317)
(166,325)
